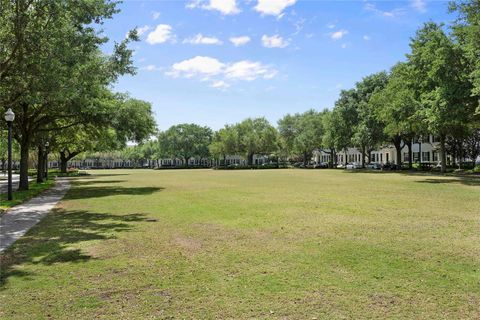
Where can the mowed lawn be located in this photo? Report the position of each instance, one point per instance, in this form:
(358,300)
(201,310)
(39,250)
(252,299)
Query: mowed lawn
(266,244)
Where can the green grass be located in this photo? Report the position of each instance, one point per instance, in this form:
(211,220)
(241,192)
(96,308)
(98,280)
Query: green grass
(264,244)
(22,196)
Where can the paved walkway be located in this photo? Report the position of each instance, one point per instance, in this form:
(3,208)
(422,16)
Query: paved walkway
(15,222)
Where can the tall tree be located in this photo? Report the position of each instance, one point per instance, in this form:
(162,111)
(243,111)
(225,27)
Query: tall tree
(396,107)
(256,136)
(344,118)
(225,142)
(287,129)
(309,132)
(186,141)
(368,130)
(446,101)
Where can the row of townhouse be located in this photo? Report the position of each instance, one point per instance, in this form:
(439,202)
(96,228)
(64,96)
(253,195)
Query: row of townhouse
(423,151)
(102,163)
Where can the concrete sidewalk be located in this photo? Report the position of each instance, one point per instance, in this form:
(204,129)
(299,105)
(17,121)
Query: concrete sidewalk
(15,222)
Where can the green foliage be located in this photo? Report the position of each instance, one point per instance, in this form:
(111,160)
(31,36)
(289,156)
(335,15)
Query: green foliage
(53,73)
(225,142)
(467,34)
(256,136)
(368,129)
(185,141)
(301,133)
(396,105)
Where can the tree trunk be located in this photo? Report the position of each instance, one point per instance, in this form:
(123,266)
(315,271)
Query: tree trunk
(363,157)
(410,154)
(225,161)
(305,154)
(250,159)
(397,142)
(443,155)
(40,164)
(23,183)
(63,162)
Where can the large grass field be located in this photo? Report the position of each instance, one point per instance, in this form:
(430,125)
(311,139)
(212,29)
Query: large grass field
(286,244)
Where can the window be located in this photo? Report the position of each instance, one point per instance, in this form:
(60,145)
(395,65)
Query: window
(435,155)
(381,157)
(373,157)
(416,156)
(426,156)
(386,156)
(405,156)
(434,139)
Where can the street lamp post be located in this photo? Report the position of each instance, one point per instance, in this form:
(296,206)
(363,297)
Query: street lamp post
(9,117)
(46,160)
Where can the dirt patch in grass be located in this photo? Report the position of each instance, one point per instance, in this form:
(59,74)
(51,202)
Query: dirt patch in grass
(188,246)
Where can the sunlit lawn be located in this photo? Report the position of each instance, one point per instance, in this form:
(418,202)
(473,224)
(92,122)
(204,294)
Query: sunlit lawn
(287,244)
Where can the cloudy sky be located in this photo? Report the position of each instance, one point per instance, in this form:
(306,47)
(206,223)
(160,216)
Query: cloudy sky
(213,62)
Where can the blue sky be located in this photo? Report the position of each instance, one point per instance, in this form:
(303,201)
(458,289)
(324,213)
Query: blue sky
(213,62)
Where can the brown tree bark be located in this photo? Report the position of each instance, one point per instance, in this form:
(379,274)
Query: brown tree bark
(40,164)
(443,155)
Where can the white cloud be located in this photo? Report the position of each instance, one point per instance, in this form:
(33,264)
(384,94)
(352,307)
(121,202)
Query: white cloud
(161,34)
(155,15)
(388,14)
(227,7)
(274,41)
(208,68)
(337,35)
(142,30)
(200,39)
(201,66)
(240,41)
(419,5)
(344,45)
(273,7)
(220,84)
(151,67)
(249,71)
(331,26)
(366,38)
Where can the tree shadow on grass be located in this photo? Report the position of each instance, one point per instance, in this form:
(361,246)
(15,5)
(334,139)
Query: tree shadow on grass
(82,182)
(50,241)
(106,191)
(469,181)
(94,174)
(434,177)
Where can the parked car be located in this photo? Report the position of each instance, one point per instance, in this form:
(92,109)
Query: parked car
(353,166)
(341,166)
(374,166)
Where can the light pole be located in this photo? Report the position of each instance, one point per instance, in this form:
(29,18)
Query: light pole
(46,160)
(9,117)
